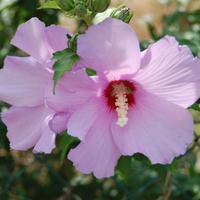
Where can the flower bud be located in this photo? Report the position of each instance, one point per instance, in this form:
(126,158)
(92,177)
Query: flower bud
(72,41)
(65,5)
(80,11)
(123,14)
(99,5)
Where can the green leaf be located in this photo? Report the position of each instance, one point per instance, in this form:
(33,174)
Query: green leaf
(65,59)
(123,167)
(193,16)
(65,142)
(191,43)
(195,106)
(90,72)
(174,165)
(162,170)
(171,19)
(140,157)
(152,30)
(49,4)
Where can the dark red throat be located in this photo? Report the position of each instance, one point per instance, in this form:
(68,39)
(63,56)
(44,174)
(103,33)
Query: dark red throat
(126,86)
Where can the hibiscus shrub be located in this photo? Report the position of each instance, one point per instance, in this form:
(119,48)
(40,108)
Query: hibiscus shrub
(126,115)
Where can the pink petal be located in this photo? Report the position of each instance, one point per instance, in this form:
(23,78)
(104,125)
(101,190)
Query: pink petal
(22,81)
(57,38)
(38,41)
(24,126)
(115,51)
(72,90)
(59,122)
(98,154)
(170,71)
(156,128)
(85,116)
(47,140)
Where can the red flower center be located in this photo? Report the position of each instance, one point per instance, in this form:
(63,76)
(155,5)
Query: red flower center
(115,88)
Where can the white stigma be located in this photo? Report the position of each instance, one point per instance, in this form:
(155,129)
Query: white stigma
(122,107)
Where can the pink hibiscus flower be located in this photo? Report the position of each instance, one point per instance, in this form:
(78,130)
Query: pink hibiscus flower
(22,83)
(136,103)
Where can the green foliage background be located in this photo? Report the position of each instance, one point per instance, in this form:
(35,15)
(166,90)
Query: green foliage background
(53,176)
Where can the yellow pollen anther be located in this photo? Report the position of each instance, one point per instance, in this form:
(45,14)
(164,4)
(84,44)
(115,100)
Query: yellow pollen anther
(122,107)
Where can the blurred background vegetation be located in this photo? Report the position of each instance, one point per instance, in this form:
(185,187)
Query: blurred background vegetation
(24,175)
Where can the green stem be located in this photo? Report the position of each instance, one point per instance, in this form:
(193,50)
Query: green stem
(88,22)
(89,18)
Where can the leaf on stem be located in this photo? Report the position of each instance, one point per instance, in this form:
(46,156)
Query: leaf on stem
(65,60)
(123,167)
(65,142)
(195,106)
